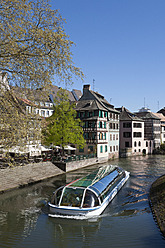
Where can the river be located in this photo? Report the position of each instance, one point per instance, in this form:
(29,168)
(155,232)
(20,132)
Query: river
(126,222)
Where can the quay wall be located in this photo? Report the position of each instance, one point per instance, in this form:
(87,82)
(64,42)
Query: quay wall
(21,176)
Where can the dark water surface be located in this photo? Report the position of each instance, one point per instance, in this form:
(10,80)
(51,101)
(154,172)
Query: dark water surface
(126,222)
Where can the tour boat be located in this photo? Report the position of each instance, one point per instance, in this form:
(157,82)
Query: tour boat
(90,195)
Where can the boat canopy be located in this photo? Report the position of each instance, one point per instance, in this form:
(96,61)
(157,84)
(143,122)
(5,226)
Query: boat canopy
(102,184)
(90,190)
(98,180)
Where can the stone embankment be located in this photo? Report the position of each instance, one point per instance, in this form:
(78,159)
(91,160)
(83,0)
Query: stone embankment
(20,176)
(157,200)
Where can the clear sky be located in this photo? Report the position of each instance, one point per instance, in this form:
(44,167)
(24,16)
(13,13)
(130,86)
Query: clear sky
(121,45)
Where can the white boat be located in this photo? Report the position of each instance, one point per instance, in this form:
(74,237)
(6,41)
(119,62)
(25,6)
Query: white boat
(89,196)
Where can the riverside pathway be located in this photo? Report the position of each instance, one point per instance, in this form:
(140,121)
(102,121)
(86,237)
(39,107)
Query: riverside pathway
(19,176)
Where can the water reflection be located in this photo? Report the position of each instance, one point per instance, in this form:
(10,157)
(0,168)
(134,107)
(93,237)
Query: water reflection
(82,229)
(126,222)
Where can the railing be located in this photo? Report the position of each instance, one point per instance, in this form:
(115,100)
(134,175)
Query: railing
(73,158)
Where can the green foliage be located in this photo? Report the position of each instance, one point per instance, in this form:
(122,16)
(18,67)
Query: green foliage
(34,49)
(162,147)
(63,127)
(34,45)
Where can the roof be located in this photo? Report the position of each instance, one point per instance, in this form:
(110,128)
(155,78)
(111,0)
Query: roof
(162,111)
(161,116)
(92,178)
(99,101)
(89,105)
(77,94)
(147,115)
(126,115)
(42,95)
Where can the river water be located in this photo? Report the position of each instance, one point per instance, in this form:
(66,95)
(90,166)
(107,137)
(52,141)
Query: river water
(126,222)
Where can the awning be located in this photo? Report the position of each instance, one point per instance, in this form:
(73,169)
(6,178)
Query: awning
(69,148)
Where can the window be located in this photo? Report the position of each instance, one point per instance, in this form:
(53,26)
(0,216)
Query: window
(69,200)
(114,148)
(47,104)
(101,149)
(104,124)
(105,148)
(110,148)
(127,124)
(146,143)
(137,134)
(139,143)
(127,134)
(105,136)
(110,136)
(90,148)
(43,112)
(117,136)
(93,136)
(100,113)
(86,135)
(117,148)
(81,149)
(113,136)
(137,125)
(135,143)
(47,112)
(127,144)
(101,136)
(100,124)
(90,200)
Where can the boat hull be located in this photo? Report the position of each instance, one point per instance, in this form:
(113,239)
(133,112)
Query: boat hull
(88,212)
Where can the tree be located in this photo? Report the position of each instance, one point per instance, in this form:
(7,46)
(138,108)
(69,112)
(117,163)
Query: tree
(34,49)
(63,127)
(34,46)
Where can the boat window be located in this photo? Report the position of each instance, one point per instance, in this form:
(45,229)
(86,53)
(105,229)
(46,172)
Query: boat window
(72,197)
(102,184)
(56,197)
(112,185)
(90,200)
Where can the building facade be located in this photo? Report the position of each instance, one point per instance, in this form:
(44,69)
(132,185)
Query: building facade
(162,128)
(152,127)
(101,124)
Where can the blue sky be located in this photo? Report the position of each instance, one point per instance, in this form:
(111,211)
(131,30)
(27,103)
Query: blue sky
(121,45)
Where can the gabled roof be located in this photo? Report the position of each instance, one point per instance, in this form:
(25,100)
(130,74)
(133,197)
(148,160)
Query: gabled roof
(161,116)
(89,105)
(147,115)
(100,102)
(77,94)
(126,115)
(162,111)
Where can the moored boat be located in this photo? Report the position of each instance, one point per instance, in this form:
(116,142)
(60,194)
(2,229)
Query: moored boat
(90,195)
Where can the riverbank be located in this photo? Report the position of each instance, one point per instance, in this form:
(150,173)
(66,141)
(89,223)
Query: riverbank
(157,199)
(21,176)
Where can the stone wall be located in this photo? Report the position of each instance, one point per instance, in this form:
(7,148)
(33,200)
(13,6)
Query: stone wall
(74,165)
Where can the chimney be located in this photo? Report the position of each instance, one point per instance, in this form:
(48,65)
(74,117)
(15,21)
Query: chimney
(86,87)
